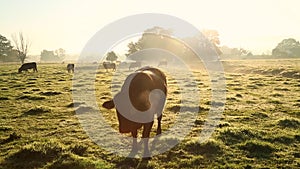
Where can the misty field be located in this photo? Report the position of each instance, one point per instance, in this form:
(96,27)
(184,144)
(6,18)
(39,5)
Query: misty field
(259,128)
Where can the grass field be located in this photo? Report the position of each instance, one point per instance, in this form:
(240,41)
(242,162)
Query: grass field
(259,128)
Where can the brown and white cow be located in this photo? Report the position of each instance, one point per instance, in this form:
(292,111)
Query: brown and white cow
(109,65)
(70,67)
(26,66)
(142,96)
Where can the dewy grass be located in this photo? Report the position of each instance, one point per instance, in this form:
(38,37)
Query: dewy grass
(258,129)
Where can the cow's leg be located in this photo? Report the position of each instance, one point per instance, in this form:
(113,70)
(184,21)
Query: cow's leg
(134,144)
(158,131)
(145,136)
(134,141)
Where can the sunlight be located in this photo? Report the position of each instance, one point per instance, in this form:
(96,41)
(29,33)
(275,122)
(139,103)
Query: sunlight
(240,24)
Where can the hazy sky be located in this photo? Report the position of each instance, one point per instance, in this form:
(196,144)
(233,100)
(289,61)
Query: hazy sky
(256,25)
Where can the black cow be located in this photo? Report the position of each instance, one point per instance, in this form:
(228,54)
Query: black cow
(139,91)
(109,65)
(26,66)
(135,65)
(70,67)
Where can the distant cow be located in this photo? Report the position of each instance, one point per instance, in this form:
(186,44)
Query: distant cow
(26,66)
(135,65)
(70,67)
(162,63)
(109,65)
(138,102)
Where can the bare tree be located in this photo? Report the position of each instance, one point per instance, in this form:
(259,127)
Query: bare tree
(22,46)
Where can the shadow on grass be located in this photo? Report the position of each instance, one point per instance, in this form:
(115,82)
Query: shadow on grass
(70,161)
(50,93)
(74,104)
(36,111)
(12,137)
(29,97)
(34,155)
(4,98)
(289,123)
(257,149)
(234,136)
(207,149)
(54,155)
(133,163)
(178,108)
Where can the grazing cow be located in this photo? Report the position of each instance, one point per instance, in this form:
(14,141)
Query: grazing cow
(109,65)
(162,63)
(26,66)
(70,67)
(138,102)
(135,65)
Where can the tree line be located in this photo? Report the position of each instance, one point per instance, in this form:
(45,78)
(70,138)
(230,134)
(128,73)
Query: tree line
(158,37)
(19,52)
(9,53)
(155,37)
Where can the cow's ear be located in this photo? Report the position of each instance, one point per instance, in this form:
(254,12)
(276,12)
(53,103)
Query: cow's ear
(108,104)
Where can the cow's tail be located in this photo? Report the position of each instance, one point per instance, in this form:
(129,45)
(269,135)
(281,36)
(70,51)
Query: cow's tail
(108,104)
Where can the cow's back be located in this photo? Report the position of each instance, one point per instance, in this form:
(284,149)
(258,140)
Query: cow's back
(26,66)
(141,83)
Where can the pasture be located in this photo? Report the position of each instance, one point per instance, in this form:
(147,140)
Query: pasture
(259,128)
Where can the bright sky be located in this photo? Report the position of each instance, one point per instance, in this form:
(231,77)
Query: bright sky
(256,25)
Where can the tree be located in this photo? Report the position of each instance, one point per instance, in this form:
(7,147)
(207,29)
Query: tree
(60,53)
(158,38)
(151,38)
(213,37)
(5,48)
(13,56)
(249,54)
(111,56)
(159,31)
(132,48)
(53,56)
(48,55)
(22,46)
(228,52)
(287,48)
